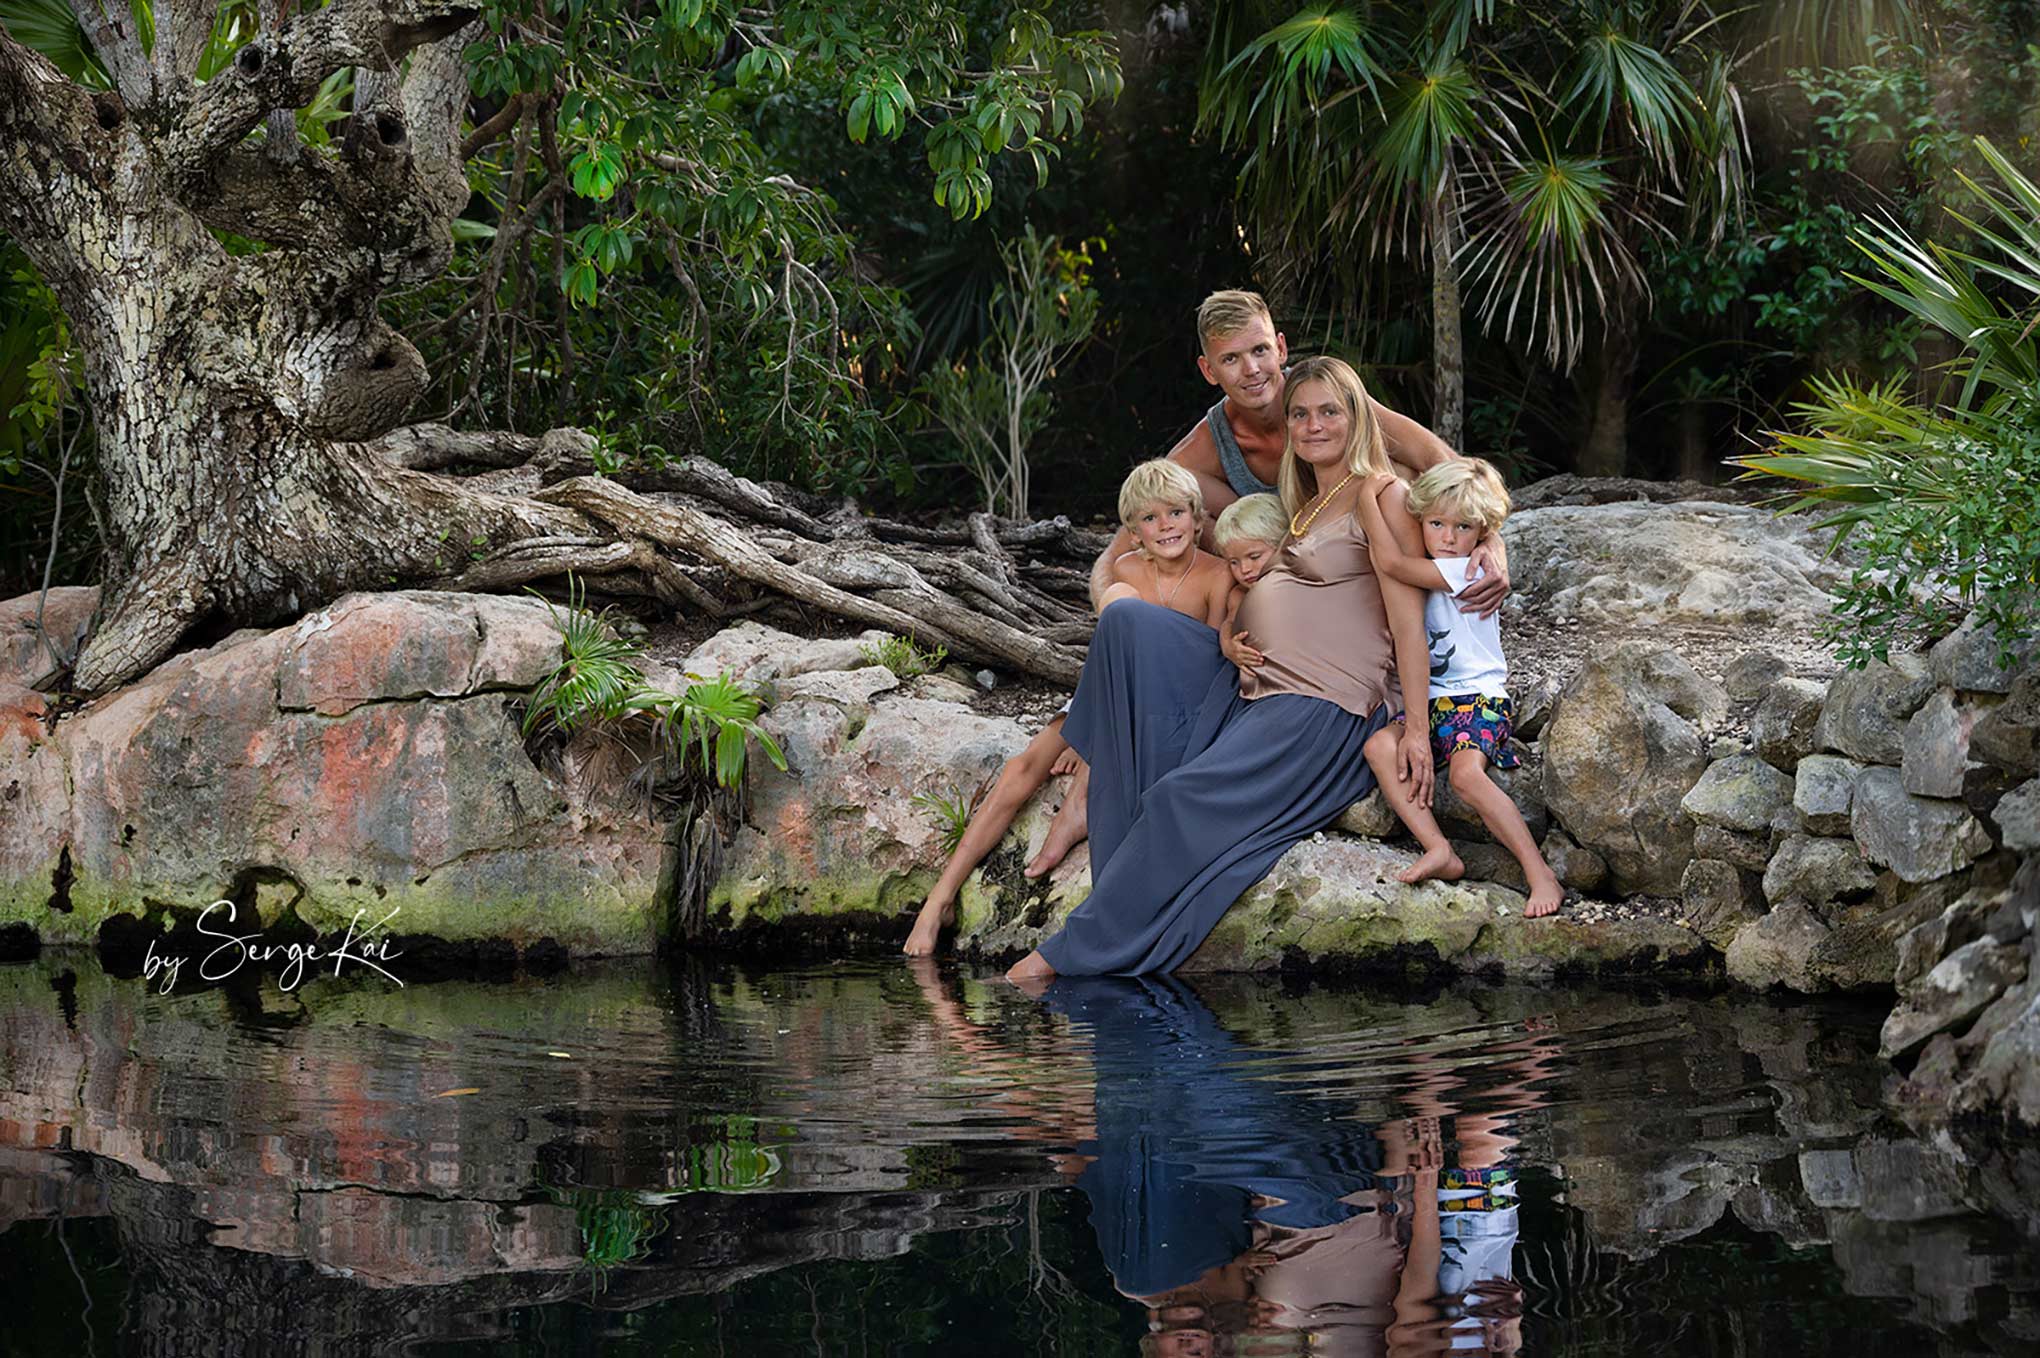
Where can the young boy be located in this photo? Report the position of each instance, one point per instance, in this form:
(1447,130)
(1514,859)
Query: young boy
(1248,535)
(1162,505)
(1458,504)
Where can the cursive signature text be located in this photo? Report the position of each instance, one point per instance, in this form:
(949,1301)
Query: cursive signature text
(358,945)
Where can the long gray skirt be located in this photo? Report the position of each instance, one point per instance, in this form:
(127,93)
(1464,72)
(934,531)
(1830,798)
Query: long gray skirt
(1195,791)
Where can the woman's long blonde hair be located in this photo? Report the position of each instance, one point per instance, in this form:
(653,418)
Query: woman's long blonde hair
(1365,452)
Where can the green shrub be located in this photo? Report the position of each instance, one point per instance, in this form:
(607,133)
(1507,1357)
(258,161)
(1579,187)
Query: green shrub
(599,683)
(902,656)
(1943,501)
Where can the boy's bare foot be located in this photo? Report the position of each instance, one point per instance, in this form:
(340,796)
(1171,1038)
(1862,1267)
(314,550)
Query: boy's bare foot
(1031,973)
(928,928)
(1545,896)
(1069,828)
(1439,864)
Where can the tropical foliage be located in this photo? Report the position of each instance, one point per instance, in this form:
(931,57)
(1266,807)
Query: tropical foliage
(1532,152)
(599,685)
(1942,499)
(995,403)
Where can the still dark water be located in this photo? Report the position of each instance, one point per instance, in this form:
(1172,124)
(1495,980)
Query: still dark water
(878,1159)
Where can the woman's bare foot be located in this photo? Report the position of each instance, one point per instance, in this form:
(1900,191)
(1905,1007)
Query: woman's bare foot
(1440,864)
(1545,895)
(928,927)
(1031,973)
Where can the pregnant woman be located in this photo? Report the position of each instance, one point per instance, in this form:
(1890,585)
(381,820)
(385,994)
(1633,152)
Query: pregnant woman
(1202,775)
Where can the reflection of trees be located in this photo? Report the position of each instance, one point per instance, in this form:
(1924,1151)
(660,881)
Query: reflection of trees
(302,1180)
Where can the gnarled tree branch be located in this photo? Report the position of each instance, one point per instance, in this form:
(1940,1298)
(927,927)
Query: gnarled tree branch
(283,70)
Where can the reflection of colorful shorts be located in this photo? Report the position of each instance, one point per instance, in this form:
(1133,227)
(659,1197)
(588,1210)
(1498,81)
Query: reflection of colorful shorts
(1473,721)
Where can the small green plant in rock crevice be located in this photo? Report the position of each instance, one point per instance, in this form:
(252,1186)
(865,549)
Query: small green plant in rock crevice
(902,656)
(951,813)
(599,683)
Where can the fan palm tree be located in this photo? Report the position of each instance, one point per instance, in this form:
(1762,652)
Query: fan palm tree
(1528,151)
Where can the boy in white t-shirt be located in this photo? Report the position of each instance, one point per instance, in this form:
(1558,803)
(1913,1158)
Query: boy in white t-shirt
(1458,504)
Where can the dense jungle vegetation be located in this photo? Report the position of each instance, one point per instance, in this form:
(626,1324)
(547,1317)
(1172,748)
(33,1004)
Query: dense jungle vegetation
(950,262)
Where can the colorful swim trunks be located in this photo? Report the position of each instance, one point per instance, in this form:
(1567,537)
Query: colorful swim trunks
(1473,721)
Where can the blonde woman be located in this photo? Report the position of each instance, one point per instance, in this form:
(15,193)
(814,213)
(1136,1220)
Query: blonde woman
(1203,774)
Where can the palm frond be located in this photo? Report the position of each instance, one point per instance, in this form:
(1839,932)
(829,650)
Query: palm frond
(1547,256)
(49,27)
(1615,71)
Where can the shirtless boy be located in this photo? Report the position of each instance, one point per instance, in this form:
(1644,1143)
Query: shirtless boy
(1160,503)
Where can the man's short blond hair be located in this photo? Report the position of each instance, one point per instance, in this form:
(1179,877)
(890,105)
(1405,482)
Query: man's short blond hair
(1469,485)
(1159,482)
(1255,518)
(1228,312)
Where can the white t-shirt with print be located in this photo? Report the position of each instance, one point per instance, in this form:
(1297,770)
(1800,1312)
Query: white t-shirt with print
(1466,651)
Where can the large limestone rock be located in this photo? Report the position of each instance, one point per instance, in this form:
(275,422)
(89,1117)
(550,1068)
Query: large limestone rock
(25,657)
(1866,710)
(1824,791)
(1958,988)
(1817,871)
(1741,792)
(1336,901)
(1937,747)
(366,760)
(1720,899)
(1778,950)
(1783,726)
(841,832)
(1630,563)
(2018,817)
(2008,735)
(1918,838)
(1967,659)
(1621,753)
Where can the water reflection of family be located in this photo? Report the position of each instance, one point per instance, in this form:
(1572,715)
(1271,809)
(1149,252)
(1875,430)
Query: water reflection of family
(1232,1204)
(1229,709)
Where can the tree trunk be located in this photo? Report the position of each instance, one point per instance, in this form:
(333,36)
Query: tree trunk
(1606,450)
(1448,353)
(1695,464)
(239,400)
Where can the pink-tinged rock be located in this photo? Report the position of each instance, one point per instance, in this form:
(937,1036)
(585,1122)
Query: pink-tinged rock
(66,613)
(192,782)
(416,644)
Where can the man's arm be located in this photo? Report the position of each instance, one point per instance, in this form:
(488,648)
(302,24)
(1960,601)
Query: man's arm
(1408,442)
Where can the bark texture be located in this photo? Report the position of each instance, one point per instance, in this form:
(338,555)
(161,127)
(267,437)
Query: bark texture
(249,408)
(1448,340)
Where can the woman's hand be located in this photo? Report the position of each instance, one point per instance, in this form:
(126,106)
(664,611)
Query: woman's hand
(1240,651)
(1413,762)
(1066,762)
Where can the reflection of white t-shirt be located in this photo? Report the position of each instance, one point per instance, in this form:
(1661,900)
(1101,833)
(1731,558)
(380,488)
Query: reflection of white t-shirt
(1466,651)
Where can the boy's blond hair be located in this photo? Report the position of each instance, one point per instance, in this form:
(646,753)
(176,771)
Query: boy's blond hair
(1469,484)
(1229,311)
(1258,518)
(1159,481)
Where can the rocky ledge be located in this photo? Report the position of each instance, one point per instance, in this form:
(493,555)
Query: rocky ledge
(1716,804)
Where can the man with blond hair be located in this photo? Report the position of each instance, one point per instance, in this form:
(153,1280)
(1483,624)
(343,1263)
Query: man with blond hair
(1236,448)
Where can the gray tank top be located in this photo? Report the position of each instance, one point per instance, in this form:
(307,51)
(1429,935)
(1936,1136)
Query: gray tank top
(1243,481)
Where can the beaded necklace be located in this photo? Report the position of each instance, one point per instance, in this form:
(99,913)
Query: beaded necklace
(1297,529)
